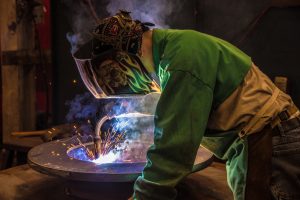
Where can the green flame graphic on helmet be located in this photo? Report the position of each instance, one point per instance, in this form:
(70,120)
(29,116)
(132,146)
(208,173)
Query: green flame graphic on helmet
(125,74)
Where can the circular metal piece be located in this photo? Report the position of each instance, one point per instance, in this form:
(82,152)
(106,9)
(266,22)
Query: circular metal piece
(52,158)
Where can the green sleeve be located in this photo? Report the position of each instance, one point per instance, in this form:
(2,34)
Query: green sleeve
(180,122)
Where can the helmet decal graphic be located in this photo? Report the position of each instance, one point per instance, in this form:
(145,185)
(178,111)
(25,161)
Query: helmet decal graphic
(119,32)
(124,74)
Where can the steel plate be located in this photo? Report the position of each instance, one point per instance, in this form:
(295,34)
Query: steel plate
(52,159)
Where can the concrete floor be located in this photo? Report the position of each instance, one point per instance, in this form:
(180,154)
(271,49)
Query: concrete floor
(23,183)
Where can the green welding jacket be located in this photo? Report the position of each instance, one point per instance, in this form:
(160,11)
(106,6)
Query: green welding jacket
(197,73)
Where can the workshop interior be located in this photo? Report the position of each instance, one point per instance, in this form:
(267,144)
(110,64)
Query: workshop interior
(63,137)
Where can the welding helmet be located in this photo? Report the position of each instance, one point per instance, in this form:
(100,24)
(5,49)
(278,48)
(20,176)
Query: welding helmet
(119,32)
(113,73)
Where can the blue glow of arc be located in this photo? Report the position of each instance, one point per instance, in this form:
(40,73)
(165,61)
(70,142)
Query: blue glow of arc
(121,124)
(108,158)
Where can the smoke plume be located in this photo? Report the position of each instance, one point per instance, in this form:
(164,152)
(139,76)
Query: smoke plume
(86,110)
(156,12)
(83,21)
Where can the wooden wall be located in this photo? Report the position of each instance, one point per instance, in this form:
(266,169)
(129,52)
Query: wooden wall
(18,83)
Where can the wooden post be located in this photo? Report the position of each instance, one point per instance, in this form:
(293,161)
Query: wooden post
(18,83)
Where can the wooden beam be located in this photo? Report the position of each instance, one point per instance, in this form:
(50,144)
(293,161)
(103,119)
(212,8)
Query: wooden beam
(25,57)
(18,83)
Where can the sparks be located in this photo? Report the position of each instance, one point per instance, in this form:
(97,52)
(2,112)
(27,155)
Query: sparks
(106,142)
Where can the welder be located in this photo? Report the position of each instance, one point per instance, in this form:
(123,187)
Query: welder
(213,95)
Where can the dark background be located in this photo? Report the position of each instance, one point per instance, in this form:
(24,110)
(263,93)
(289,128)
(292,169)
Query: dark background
(268,33)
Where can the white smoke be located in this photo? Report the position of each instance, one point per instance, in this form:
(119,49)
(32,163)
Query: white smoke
(82,21)
(131,114)
(156,12)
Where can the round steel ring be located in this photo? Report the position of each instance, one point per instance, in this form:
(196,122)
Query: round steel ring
(51,158)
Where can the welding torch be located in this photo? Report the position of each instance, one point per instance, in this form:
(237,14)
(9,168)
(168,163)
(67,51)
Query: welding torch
(97,138)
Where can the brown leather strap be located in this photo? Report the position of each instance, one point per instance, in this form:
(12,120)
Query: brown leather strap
(286,126)
(289,113)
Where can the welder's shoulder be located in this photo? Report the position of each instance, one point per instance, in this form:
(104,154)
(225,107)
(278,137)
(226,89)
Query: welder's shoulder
(186,51)
(190,42)
(191,37)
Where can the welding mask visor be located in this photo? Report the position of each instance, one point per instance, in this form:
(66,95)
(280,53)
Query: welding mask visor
(113,73)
